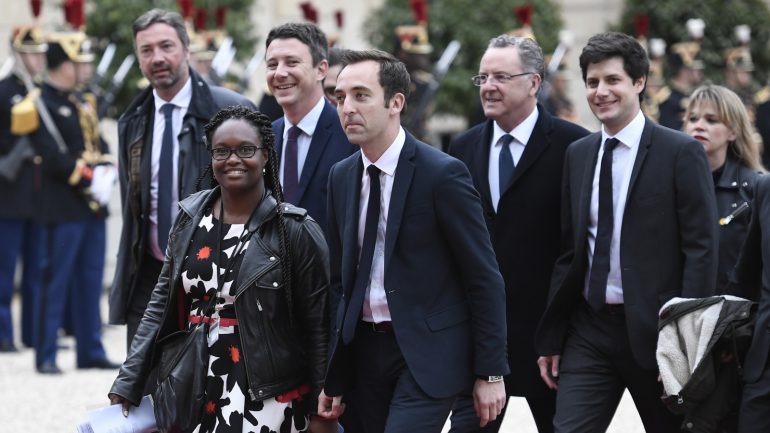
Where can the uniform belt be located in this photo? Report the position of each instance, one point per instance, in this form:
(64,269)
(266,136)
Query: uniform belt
(223,321)
(382,327)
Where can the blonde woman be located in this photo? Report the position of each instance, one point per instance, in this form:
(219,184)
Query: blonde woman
(717,118)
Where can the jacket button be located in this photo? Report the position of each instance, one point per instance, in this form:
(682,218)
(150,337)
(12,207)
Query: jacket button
(734,205)
(688,425)
(272,259)
(745,183)
(275,284)
(734,183)
(260,392)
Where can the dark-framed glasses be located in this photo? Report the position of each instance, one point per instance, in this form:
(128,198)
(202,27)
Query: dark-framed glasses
(243,152)
(497,77)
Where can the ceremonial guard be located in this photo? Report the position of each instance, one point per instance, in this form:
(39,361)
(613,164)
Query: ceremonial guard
(76,183)
(686,72)
(18,168)
(413,48)
(739,68)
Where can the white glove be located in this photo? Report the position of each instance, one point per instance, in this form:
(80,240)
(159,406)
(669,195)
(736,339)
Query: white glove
(104,178)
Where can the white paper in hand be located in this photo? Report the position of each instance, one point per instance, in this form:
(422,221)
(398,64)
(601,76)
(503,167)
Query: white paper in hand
(110,419)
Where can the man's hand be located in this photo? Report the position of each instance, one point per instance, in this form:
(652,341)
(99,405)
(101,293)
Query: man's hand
(488,400)
(330,407)
(116,399)
(549,370)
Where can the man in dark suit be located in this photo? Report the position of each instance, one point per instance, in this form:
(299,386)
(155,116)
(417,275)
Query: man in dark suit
(422,313)
(639,228)
(309,138)
(751,280)
(161,156)
(526,174)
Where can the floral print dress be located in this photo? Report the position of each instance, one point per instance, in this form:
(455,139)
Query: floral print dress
(228,408)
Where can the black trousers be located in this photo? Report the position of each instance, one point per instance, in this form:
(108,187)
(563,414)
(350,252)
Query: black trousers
(754,416)
(388,397)
(596,367)
(146,278)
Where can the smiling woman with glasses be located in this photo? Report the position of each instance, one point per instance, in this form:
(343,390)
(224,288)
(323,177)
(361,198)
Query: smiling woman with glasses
(497,77)
(243,152)
(255,270)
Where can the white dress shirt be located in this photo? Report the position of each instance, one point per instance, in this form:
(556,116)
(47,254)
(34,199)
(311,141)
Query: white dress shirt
(375,307)
(520,134)
(181,102)
(307,127)
(623,158)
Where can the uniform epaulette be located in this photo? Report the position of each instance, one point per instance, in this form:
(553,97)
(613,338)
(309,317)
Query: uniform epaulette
(291,210)
(762,96)
(24,117)
(662,95)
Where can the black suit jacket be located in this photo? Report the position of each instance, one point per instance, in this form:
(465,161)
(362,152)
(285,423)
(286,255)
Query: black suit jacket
(751,279)
(328,146)
(525,228)
(444,292)
(668,240)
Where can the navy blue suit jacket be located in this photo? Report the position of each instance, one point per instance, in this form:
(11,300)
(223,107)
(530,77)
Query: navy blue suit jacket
(444,291)
(328,146)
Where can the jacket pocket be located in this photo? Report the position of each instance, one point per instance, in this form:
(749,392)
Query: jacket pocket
(448,317)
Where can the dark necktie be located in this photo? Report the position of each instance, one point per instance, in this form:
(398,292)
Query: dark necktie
(365,259)
(506,162)
(290,171)
(165,177)
(600,266)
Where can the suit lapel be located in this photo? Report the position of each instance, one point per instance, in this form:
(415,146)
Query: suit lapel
(350,234)
(278,126)
(586,188)
(481,164)
(538,142)
(401,183)
(644,144)
(318,144)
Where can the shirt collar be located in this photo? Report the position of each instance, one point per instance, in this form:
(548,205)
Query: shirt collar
(181,99)
(631,135)
(389,159)
(522,132)
(309,122)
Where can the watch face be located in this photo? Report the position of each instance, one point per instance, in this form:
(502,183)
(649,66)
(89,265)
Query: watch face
(495,379)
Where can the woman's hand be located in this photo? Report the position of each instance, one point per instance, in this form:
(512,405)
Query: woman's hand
(321,425)
(117,399)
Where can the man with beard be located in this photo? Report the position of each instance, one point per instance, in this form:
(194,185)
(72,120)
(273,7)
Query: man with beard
(161,156)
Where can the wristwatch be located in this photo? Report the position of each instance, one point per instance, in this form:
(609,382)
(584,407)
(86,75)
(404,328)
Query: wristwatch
(491,379)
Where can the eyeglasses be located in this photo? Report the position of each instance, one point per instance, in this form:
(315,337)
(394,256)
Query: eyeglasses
(498,77)
(243,152)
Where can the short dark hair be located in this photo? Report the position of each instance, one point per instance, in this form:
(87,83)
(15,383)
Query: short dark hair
(335,56)
(613,44)
(393,76)
(307,33)
(161,16)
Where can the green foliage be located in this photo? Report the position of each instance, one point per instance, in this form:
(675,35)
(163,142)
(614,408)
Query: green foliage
(668,18)
(471,22)
(111,21)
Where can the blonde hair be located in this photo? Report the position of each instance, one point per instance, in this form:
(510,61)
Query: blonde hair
(733,114)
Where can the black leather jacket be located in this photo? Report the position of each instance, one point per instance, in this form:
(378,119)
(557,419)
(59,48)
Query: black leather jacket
(278,357)
(134,129)
(734,188)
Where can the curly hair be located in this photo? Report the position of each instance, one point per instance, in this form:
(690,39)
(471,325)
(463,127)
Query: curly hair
(264,129)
